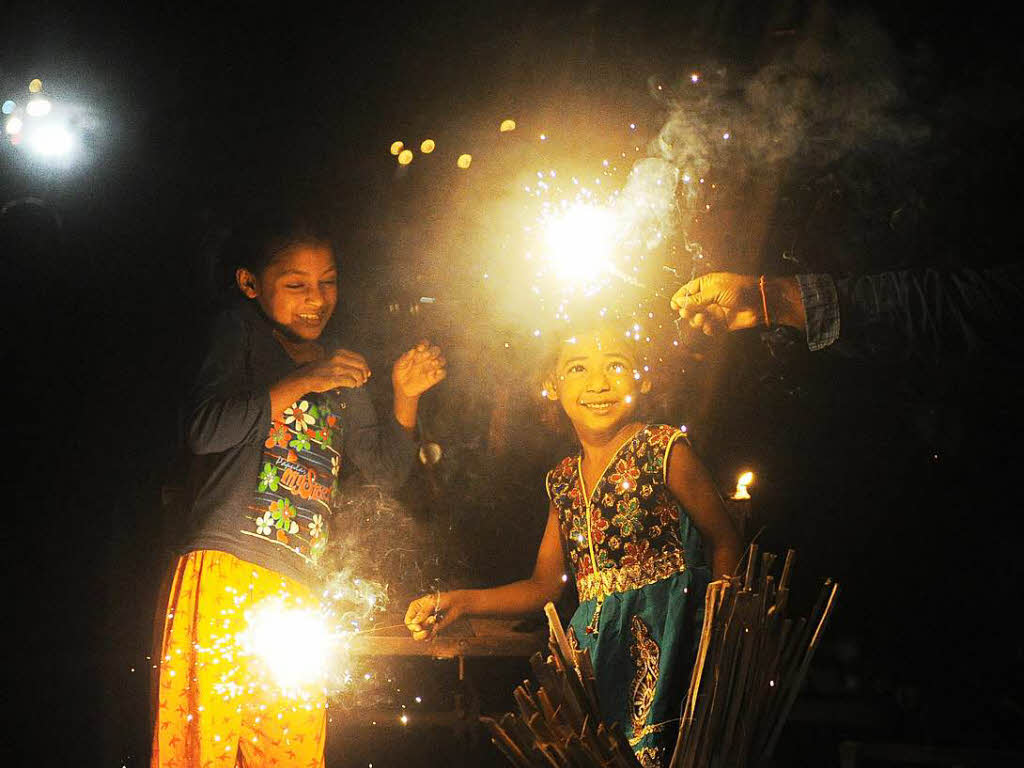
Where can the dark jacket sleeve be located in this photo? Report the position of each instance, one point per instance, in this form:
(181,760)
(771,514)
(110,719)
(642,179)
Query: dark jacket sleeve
(383,451)
(223,407)
(931,314)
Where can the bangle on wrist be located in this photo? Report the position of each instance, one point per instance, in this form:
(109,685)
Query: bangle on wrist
(761,284)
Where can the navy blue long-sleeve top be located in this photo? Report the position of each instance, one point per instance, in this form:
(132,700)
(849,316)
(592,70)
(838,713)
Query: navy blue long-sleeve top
(916,313)
(261,488)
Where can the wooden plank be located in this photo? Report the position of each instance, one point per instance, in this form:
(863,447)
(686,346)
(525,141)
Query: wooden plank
(446,648)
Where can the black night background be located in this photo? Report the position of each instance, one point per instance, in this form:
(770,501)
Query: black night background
(894,471)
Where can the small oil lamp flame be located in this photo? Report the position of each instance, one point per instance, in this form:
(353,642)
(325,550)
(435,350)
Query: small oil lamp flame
(744,480)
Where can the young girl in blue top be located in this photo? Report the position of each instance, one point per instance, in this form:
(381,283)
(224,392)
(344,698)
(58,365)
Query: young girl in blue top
(273,414)
(634,513)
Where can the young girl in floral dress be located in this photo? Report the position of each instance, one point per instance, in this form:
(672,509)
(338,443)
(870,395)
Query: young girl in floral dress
(271,417)
(634,512)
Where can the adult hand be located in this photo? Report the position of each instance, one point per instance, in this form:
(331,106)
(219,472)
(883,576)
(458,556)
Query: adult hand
(719,301)
(428,615)
(418,370)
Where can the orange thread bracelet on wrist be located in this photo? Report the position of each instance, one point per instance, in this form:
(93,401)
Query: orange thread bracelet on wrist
(761,283)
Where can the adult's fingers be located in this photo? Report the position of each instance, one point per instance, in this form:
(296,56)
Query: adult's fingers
(419,609)
(717,317)
(688,295)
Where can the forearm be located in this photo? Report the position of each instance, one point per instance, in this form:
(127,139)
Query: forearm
(405,410)
(219,423)
(383,451)
(285,392)
(725,556)
(519,598)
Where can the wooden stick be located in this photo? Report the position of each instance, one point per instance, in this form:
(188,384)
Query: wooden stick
(555,626)
(804,666)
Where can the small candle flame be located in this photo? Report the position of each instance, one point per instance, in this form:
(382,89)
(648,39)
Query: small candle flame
(744,480)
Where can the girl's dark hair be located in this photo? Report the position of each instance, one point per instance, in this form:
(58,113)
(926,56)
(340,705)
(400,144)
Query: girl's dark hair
(264,235)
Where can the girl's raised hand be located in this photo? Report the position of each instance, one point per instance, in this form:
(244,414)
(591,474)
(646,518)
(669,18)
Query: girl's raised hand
(418,370)
(428,615)
(343,368)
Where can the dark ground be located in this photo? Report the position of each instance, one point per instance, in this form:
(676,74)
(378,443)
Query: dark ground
(896,478)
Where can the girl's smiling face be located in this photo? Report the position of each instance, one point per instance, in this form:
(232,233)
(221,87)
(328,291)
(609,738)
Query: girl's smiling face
(298,290)
(598,383)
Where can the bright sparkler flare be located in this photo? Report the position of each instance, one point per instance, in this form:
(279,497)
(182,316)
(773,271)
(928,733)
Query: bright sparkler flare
(295,644)
(580,242)
(744,480)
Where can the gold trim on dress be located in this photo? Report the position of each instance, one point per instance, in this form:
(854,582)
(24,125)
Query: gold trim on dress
(599,584)
(645,654)
(650,757)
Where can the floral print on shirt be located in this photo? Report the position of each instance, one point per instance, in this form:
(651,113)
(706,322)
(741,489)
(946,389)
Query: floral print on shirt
(297,477)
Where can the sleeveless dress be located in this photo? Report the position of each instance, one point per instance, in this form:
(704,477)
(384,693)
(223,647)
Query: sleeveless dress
(640,574)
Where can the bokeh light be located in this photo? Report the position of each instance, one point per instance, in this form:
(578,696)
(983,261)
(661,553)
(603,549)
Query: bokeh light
(405,157)
(397,147)
(427,146)
(507,125)
(464,161)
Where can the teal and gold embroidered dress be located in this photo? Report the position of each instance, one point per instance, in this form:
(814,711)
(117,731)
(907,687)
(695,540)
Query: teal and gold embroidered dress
(640,574)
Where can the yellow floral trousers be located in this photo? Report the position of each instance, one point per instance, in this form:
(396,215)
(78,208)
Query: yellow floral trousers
(216,704)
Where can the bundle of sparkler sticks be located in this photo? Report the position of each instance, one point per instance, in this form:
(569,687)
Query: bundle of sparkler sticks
(749,667)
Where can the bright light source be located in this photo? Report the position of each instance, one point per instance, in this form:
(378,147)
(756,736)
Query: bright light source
(39,107)
(8,107)
(35,86)
(273,634)
(427,146)
(507,125)
(405,157)
(741,492)
(580,242)
(464,161)
(13,126)
(396,147)
(51,140)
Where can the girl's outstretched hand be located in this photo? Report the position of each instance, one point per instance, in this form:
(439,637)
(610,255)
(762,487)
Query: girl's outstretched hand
(418,370)
(428,615)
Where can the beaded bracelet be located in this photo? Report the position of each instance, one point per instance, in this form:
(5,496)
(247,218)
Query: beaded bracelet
(761,283)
